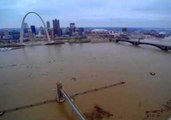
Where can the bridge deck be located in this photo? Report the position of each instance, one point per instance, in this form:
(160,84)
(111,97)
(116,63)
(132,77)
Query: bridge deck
(137,43)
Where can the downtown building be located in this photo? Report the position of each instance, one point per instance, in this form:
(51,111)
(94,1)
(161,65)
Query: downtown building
(56,28)
(72,29)
(48,25)
(33,29)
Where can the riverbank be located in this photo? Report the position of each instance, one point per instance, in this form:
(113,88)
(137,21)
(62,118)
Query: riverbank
(11,45)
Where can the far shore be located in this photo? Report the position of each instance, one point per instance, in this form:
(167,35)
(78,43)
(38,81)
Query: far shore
(11,45)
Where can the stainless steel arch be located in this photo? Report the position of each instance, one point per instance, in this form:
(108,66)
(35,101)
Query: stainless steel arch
(22,31)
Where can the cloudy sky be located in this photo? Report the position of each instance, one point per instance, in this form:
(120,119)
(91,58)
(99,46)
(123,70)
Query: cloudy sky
(88,13)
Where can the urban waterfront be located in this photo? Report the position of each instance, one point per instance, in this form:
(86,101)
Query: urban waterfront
(29,75)
(85,60)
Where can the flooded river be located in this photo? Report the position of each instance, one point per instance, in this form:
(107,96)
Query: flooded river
(29,75)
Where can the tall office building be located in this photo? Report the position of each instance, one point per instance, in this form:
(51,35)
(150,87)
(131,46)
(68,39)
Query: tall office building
(124,30)
(80,31)
(56,28)
(72,26)
(25,27)
(1,35)
(6,34)
(48,24)
(72,29)
(41,31)
(15,35)
(68,31)
(30,34)
(33,29)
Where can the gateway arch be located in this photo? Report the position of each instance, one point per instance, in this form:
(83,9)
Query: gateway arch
(22,25)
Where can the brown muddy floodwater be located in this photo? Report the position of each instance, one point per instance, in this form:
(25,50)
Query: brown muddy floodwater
(29,75)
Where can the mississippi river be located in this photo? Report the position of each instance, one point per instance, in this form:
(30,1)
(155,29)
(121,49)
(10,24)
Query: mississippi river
(29,75)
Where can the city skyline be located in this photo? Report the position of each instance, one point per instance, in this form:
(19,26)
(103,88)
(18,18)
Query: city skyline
(89,13)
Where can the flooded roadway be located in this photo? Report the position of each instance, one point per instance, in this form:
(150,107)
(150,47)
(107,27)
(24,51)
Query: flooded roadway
(29,75)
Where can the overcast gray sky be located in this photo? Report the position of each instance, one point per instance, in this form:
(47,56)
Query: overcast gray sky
(85,13)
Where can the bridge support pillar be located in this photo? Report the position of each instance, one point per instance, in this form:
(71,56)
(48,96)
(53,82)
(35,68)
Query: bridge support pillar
(136,43)
(60,97)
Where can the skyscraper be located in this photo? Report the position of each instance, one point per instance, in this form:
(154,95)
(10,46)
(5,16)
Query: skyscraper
(80,31)
(72,26)
(33,29)
(48,24)
(56,28)
(25,27)
(6,34)
(72,29)
(30,34)
(124,30)
(41,31)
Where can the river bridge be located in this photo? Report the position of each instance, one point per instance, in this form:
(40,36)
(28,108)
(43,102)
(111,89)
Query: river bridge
(61,97)
(137,43)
